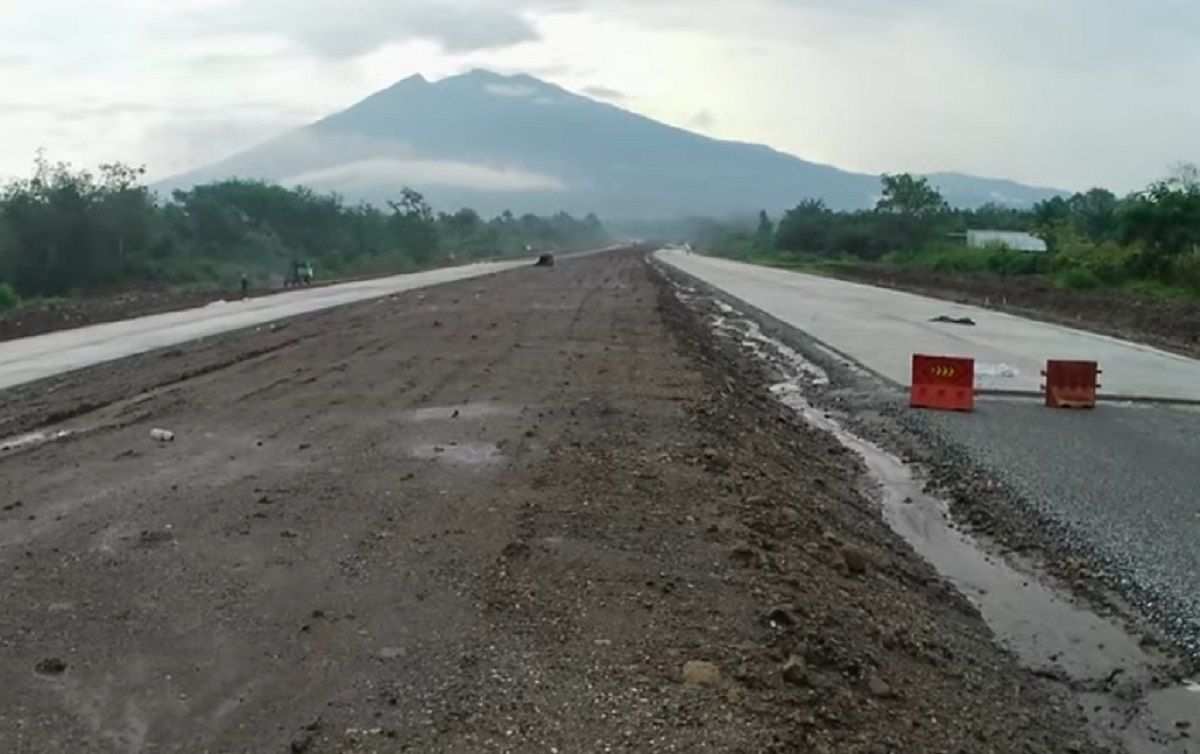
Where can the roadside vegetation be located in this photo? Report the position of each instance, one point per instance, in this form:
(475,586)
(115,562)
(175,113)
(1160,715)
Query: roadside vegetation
(1147,242)
(67,232)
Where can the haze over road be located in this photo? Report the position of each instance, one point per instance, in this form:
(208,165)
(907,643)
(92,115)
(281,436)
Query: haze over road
(28,359)
(881,329)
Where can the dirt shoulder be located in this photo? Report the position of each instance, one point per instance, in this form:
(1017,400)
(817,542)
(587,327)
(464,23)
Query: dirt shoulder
(1167,324)
(532,512)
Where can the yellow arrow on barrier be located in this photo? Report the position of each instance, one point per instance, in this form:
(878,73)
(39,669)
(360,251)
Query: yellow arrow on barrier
(941,370)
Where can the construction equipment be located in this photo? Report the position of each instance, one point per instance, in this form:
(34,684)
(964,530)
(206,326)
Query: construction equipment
(301,274)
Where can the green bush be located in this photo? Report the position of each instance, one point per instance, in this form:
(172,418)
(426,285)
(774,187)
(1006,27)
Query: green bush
(8,297)
(996,260)
(1185,271)
(1078,279)
(1110,263)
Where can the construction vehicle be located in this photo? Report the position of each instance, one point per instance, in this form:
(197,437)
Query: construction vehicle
(301,274)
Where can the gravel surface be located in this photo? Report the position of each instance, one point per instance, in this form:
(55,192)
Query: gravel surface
(538,512)
(1121,485)
(1131,676)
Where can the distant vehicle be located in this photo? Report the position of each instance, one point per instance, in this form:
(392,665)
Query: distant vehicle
(301,274)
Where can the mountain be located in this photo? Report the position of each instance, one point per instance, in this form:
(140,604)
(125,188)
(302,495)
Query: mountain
(494,142)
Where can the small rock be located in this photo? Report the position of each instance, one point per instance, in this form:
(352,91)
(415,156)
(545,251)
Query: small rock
(748,555)
(1183,724)
(51,666)
(855,560)
(701,673)
(878,687)
(795,671)
(780,615)
(736,694)
(162,435)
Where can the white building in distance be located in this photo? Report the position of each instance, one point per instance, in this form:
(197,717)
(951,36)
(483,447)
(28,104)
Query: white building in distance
(979,239)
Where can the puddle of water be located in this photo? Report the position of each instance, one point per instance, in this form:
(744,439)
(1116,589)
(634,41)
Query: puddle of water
(1042,627)
(467,411)
(763,347)
(462,454)
(33,438)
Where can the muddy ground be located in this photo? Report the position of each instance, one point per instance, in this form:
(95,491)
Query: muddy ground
(531,512)
(1172,325)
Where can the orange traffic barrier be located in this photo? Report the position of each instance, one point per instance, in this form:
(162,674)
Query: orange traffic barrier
(942,382)
(1070,384)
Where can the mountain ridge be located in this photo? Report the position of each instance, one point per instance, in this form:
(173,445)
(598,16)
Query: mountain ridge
(494,142)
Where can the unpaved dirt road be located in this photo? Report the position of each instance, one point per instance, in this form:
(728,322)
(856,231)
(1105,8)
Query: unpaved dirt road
(532,512)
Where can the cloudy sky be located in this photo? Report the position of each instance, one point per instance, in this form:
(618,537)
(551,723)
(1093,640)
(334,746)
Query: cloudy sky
(1069,93)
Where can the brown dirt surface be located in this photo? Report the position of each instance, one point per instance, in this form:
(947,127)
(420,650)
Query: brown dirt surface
(1172,325)
(509,514)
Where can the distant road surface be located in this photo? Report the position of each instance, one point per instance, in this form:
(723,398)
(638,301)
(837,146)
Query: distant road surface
(881,329)
(28,359)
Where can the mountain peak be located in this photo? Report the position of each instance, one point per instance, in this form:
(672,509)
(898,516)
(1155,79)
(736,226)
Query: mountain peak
(483,74)
(415,81)
(497,141)
(483,78)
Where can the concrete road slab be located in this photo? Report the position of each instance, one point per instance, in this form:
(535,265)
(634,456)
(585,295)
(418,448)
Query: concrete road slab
(881,329)
(28,359)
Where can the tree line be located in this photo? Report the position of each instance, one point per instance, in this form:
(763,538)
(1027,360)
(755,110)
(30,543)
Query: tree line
(65,232)
(1149,239)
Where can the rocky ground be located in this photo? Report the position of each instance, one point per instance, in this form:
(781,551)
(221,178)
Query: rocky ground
(1168,324)
(539,511)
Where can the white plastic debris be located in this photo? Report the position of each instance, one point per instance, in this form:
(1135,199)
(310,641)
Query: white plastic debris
(162,435)
(996,370)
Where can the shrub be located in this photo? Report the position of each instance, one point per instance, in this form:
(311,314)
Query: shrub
(1078,279)
(1185,271)
(8,297)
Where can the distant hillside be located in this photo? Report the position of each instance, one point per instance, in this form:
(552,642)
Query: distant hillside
(496,142)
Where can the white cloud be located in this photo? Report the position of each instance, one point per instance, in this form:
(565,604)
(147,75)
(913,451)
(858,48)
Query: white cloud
(426,173)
